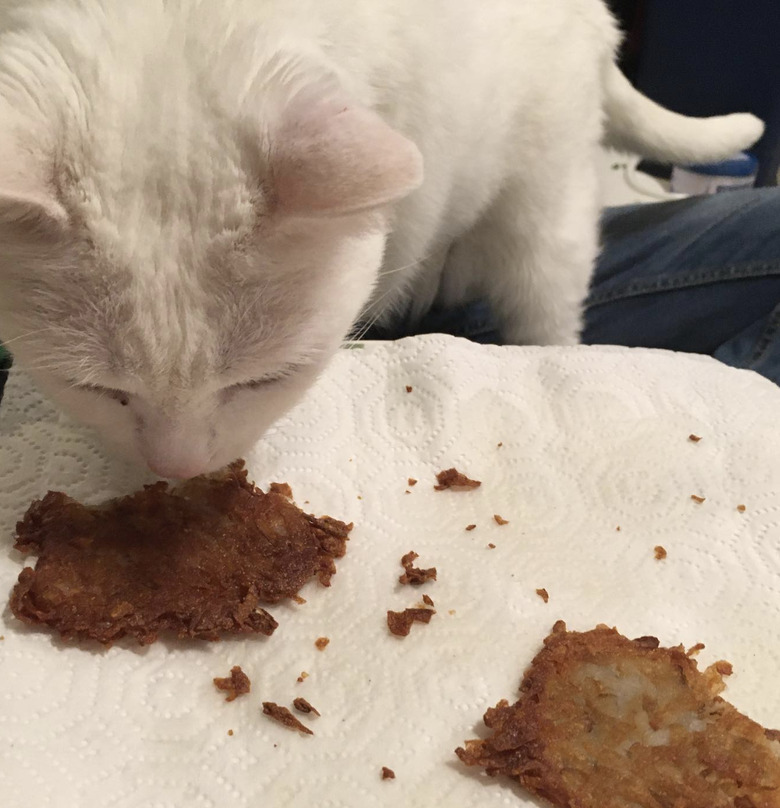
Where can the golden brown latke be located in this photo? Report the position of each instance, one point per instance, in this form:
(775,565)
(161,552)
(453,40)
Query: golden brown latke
(607,722)
(196,560)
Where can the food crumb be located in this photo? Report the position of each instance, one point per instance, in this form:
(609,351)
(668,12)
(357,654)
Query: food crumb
(299,600)
(694,438)
(237,684)
(2,636)
(359,497)
(281,488)
(303,706)
(499,445)
(452,478)
(660,553)
(451,611)
(400,623)
(740,508)
(303,676)
(618,528)
(694,649)
(500,519)
(411,482)
(387,774)
(427,600)
(407,491)
(408,388)
(322,643)
(230,732)
(698,499)
(543,594)
(414,575)
(491,546)
(284,717)
(470,527)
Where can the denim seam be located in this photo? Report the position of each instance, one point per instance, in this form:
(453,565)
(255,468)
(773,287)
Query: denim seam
(765,340)
(730,272)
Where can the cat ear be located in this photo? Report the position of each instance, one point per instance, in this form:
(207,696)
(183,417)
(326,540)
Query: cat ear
(26,204)
(35,213)
(331,159)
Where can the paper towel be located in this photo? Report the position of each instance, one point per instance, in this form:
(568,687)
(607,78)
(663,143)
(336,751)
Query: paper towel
(592,439)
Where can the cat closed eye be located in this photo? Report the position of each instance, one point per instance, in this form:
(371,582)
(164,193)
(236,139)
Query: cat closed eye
(118,395)
(272,378)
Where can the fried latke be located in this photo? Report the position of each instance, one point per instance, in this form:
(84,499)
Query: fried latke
(607,722)
(196,560)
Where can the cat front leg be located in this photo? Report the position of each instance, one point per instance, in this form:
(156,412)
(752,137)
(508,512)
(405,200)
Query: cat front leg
(532,255)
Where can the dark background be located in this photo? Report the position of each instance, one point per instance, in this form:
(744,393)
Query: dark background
(708,57)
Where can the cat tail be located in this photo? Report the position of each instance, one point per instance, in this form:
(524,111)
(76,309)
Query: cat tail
(636,124)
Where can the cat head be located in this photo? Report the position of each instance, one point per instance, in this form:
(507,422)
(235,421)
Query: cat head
(177,284)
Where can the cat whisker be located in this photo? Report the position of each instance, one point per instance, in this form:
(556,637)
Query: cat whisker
(5,343)
(406,266)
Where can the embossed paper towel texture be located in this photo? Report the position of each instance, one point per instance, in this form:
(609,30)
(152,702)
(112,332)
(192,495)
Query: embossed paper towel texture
(592,439)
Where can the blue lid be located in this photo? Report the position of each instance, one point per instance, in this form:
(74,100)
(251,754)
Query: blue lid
(740,165)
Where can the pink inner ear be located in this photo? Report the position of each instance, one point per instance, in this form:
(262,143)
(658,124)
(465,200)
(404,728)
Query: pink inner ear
(332,159)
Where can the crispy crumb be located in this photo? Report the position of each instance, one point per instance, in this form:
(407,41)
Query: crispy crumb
(281,488)
(407,491)
(299,600)
(414,575)
(491,546)
(284,717)
(322,643)
(400,623)
(237,684)
(408,388)
(500,519)
(470,527)
(359,497)
(499,445)
(452,478)
(694,649)
(451,611)
(303,676)
(694,438)
(2,636)
(387,774)
(303,706)
(427,600)
(230,732)
(660,553)
(618,528)
(741,508)
(411,482)
(543,594)
(698,499)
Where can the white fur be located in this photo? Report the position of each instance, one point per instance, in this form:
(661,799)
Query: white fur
(197,194)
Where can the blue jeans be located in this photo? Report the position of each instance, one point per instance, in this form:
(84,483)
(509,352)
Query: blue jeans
(700,275)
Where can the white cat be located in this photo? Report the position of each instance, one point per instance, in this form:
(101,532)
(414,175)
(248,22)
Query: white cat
(198,198)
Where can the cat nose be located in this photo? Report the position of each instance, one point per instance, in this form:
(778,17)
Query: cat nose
(176,471)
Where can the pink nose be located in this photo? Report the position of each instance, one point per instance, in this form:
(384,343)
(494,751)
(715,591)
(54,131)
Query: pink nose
(176,471)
